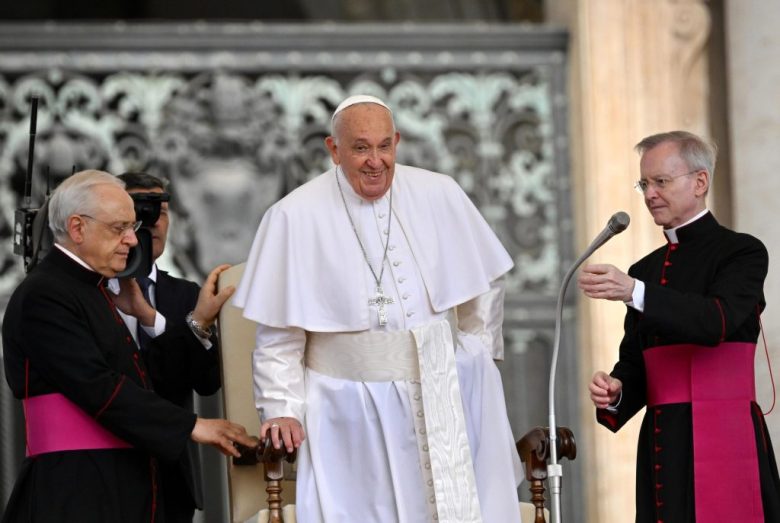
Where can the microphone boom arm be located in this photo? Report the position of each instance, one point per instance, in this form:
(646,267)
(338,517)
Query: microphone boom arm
(617,224)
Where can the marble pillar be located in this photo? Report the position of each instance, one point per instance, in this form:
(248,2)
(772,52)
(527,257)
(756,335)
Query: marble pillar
(636,68)
(753,48)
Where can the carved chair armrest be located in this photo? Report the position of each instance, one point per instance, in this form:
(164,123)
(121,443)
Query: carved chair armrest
(534,450)
(273,469)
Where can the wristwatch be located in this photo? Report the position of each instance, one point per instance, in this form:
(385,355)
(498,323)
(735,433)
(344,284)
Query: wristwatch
(197,328)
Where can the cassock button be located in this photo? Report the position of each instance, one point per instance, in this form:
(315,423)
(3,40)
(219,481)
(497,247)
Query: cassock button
(663,281)
(657,448)
(657,412)
(657,467)
(430,482)
(667,263)
(396,263)
(658,486)
(674,247)
(657,430)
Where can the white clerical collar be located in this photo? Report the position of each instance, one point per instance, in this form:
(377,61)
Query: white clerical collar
(671,234)
(74,257)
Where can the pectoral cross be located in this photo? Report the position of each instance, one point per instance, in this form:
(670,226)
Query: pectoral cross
(380,300)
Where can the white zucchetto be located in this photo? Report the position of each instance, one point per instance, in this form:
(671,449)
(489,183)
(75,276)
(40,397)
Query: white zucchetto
(359,99)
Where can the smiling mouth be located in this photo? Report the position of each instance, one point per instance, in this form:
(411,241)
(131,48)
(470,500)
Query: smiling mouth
(373,174)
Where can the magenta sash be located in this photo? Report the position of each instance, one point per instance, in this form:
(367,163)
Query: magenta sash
(719,383)
(54,424)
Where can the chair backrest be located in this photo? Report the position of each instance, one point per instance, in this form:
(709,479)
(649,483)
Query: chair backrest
(246,483)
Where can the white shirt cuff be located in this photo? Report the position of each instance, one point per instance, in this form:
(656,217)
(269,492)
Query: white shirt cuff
(158,328)
(614,406)
(638,296)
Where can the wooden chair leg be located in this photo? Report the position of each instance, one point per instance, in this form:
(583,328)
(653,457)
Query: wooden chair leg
(537,498)
(273,477)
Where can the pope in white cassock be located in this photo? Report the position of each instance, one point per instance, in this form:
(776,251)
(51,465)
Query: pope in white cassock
(378,292)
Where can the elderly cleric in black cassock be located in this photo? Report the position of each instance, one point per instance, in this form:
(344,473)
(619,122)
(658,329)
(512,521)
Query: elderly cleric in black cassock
(61,334)
(95,428)
(681,278)
(704,452)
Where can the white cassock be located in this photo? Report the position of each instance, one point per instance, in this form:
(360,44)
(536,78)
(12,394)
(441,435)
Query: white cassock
(404,422)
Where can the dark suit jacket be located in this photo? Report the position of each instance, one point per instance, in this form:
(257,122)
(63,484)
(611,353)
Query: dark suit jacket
(181,365)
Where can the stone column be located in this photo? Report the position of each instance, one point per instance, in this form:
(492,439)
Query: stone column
(752,48)
(637,68)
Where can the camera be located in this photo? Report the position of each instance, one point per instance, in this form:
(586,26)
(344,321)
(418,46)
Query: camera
(33,238)
(147,210)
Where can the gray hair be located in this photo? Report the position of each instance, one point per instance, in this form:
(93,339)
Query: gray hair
(335,121)
(698,153)
(75,196)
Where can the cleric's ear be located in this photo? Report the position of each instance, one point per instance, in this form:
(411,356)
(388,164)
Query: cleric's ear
(76,227)
(702,182)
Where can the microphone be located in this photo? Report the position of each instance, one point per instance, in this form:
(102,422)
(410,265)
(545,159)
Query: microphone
(616,224)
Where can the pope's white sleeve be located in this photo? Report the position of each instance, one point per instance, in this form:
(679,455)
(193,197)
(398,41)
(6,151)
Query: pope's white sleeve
(278,371)
(483,317)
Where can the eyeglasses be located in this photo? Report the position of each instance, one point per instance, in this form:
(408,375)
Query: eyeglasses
(660,183)
(120,229)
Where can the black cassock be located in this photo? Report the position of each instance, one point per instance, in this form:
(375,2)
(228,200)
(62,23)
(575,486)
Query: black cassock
(61,334)
(703,290)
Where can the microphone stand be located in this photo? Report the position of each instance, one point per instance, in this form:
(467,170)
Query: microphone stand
(554,469)
(616,224)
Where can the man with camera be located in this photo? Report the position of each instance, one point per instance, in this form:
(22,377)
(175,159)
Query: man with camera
(175,332)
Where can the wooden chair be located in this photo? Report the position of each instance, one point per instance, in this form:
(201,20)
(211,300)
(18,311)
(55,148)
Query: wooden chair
(534,450)
(261,467)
